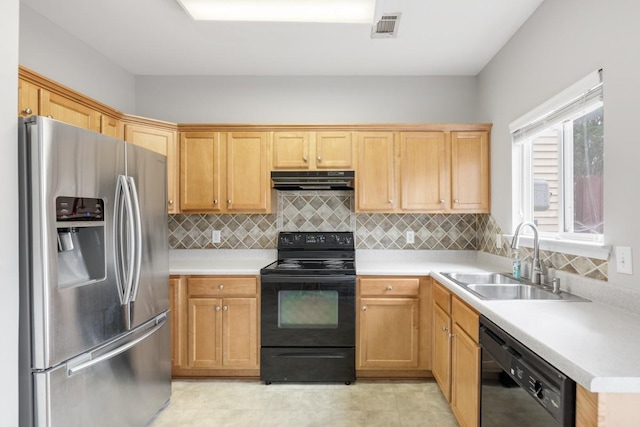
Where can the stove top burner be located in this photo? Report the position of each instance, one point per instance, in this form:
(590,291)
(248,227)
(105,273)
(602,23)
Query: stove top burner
(311,266)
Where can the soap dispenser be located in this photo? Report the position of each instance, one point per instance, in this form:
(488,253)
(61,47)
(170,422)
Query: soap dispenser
(517,265)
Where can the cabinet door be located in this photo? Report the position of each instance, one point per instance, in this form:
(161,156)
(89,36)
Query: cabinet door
(334,150)
(201,172)
(161,141)
(291,150)
(388,333)
(240,333)
(442,350)
(28,98)
(470,171)
(247,173)
(205,332)
(110,126)
(178,307)
(424,171)
(375,176)
(69,111)
(465,378)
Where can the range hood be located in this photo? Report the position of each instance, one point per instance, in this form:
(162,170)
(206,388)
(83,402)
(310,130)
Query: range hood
(313,180)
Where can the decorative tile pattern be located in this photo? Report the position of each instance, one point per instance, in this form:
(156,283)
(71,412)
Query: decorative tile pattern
(583,266)
(434,232)
(316,211)
(236,231)
(334,211)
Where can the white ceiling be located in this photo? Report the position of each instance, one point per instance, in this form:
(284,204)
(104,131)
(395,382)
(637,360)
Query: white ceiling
(156,37)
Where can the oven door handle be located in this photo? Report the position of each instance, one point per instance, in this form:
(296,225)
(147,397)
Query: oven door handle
(313,279)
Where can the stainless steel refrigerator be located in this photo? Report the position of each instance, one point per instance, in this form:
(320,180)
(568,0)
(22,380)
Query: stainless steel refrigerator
(94,294)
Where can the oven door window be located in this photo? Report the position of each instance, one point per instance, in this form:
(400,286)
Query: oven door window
(308,309)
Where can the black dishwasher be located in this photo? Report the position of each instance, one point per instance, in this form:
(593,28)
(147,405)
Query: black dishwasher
(519,388)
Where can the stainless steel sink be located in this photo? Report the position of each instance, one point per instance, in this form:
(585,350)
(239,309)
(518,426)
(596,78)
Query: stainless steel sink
(512,292)
(500,286)
(481,278)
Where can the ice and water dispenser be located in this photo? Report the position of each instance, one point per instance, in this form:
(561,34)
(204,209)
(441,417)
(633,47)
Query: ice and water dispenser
(81,240)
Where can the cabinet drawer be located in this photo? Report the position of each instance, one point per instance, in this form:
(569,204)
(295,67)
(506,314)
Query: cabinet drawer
(465,317)
(389,287)
(442,297)
(222,286)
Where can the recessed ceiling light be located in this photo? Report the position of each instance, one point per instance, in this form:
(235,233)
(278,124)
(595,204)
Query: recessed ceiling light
(342,11)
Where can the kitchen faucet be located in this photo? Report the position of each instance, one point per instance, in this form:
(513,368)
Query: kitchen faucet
(537,269)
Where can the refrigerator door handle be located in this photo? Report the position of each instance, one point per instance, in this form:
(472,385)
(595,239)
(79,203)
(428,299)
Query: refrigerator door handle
(135,213)
(88,360)
(122,240)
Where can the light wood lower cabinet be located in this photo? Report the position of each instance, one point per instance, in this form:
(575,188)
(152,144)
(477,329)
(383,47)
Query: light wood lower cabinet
(456,354)
(392,338)
(222,327)
(178,316)
(606,409)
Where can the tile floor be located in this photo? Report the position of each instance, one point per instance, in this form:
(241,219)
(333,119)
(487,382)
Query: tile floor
(226,403)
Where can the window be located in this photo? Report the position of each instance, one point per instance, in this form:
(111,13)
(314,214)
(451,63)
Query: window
(559,162)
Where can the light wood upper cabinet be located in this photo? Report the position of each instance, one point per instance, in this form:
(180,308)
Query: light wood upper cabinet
(248,181)
(202,161)
(291,150)
(312,150)
(334,150)
(28,99)
(110,126)
(69,111)
(163,141)
(424,171)
(470,172)
(224,172)
(375,175)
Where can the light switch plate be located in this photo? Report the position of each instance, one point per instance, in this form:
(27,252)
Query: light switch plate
(215,236)
(624,260)
(498,241)
(410,237)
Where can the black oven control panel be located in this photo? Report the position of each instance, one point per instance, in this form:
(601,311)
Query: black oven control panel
(315,240)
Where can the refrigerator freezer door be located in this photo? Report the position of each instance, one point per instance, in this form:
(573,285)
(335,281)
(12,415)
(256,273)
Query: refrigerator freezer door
(123,383)
(72,308)
(147,171)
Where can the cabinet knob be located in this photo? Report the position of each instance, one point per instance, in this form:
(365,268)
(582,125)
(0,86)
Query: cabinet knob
(304,158)
(444,329)
(27,111)
(170,202)
(217,308)
(221,287)
(364,308)
(50,116)
(215,201)
(319,158)
(389,287)
(225,308)
(442,201)
(229,201)
(455,200)
(452,335)
(391,201)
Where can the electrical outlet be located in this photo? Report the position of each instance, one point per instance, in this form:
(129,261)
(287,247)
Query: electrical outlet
(498,241)
(215,236)
(624,261)
(410,237)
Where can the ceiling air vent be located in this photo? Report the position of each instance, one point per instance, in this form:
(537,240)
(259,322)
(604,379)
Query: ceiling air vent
(386,27)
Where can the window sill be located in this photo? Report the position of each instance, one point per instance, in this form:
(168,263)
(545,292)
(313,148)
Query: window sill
(586,249)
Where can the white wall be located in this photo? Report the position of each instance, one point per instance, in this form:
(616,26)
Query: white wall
(48,50)
(563,41)
(9,217)
(202,99)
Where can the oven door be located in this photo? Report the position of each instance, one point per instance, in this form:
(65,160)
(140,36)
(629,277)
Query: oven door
(307,311)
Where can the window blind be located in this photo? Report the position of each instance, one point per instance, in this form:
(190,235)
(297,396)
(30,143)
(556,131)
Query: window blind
(579,97)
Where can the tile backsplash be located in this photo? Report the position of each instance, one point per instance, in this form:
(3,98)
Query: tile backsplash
(334,211)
